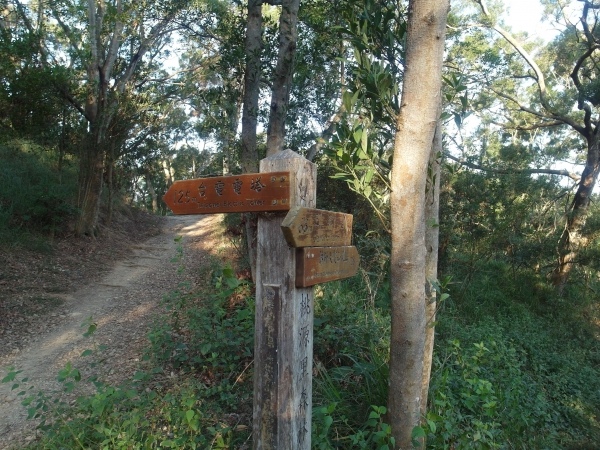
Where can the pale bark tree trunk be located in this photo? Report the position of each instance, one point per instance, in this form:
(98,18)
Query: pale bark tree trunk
(168,173)
(432,234)
(91,169)
(251,87)
(152,191)
(282,81)
(62,144)
(416,125)
(233,114)
(249,115)
(328,132)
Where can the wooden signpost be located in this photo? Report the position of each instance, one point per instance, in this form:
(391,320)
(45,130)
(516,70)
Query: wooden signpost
(294,252)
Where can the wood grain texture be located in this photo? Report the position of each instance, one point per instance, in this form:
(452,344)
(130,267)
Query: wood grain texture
(283,388)
(316,265)
(237,193)
(309,227)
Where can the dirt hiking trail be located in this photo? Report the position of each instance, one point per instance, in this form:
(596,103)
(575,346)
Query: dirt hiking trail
(121,303)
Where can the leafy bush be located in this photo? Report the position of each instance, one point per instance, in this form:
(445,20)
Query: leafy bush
(507,363)
(130,415)
(351,348)
(32,199)
(214,335)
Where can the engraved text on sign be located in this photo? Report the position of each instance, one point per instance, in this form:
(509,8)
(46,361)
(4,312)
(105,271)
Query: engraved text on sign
(304,367)
(309,227)
(316,265)
(237,193)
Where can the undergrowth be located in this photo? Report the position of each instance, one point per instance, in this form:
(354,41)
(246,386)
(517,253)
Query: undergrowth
(515,367)
(35,198)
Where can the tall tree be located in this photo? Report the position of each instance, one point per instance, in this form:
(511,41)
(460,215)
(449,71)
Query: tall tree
(119,38)
(249,155)
(253,47)
(416,124)
(283,76)
(107,41)
(569,100)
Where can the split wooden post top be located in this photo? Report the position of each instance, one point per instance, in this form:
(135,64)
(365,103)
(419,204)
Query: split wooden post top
(284,322)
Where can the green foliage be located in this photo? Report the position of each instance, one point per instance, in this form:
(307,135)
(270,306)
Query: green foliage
(361,146)
(213,336)
(512,357)
(32,197)
(351,349)
(374,434)
(511,218)
(131,415)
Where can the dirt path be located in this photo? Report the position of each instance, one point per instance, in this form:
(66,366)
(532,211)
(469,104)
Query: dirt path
(121,303)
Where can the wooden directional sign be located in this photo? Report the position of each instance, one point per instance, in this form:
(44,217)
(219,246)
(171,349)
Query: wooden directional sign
(237,193)
(316,265)
(308,227)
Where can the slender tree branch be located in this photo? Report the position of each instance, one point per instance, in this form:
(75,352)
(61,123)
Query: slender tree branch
(539,76)
(168,77)
(580,61)
(156,32)
(586,29)
(69,97)
(533,126)
(563,119)
(114,43)
(471,165)
(75,42)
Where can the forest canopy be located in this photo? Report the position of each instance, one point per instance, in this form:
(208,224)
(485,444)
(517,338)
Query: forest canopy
(107,103)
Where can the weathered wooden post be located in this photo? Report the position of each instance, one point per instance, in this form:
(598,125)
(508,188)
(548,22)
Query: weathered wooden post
(283,347)
(310,246)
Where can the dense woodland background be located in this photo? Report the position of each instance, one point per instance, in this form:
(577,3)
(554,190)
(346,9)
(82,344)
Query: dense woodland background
(104,111)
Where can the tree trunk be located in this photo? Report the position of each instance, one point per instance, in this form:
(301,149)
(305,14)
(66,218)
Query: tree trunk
(572,239)
(421,91)
(62,145)
(282,82)
(91,171)
(168,172)
(432,234)
(249,115)
(110,173)
(233,114)
(152,191)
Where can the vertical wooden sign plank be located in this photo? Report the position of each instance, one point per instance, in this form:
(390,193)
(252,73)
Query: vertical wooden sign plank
(283,346)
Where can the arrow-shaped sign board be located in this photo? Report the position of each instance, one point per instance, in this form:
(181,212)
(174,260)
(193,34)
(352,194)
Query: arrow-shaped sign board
(308,227)
(238,193)
(316,265)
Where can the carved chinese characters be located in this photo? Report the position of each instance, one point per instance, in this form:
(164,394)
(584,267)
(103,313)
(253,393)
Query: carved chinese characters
(304,367)
(306,227)
(237,193)
(316,265)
